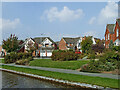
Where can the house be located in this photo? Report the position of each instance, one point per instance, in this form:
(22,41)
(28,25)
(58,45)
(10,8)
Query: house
(2,51)
(116,40)
(44,46)
(112,33)
(67,43)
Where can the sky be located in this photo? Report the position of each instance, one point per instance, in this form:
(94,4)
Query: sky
(56,19)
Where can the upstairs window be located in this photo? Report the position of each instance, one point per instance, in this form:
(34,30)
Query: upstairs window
(108,36)
(117,33)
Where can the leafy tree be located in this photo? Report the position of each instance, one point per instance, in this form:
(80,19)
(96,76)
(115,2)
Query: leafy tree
(98,47)
(111,44)
(11,44)
(86,44)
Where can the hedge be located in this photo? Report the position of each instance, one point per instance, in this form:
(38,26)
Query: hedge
(64,55)
(13,57)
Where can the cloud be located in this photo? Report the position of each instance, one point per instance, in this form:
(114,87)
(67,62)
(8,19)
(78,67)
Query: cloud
(92,20)
(108,14)
(91,33)
(64,15)
(6,24)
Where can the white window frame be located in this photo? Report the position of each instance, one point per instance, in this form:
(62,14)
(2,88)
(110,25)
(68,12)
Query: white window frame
(108,36)
(117,33)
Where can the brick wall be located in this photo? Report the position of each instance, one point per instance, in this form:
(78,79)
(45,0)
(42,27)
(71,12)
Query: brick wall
(115,35)
(62,45)
(112,36)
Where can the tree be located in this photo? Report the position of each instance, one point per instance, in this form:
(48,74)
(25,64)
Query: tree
(98,47)
(86,44)
(11,44)
(111,44)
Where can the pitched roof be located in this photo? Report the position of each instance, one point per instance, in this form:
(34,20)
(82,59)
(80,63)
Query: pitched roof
(111,28)
(20,41)
(57,43)
(118,20)
(71,40)
(41,39)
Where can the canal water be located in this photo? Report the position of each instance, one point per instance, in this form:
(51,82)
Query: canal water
(10,80)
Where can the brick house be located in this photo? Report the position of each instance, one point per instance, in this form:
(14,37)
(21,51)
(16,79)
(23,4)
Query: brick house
(2,51)
(45,46)
(67,43)
(112,33)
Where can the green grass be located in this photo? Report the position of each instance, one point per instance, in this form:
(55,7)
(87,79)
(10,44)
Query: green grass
(1,60)
(58,64)
(105,82)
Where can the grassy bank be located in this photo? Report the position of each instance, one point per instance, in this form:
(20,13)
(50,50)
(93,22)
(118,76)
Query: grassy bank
(105,82)
(58,64)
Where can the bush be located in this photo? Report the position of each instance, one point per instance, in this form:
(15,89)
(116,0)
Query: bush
(108,62)
(91,56)
(22,62)
(30,58)
(7,58)
(13,57)
(63,55)
(82,55)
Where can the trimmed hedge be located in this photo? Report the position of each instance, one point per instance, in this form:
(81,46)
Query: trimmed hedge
(13,57)
(64,55)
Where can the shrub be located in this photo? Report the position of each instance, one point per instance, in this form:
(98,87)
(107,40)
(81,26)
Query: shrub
(91,56)
(7,58)
(30,58)
(108,62)
(82,55)
(63,55)
(22,62)
(13,57)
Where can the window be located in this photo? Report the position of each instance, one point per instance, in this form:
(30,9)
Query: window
(79,45)
(117,33)
(108,36)
(47,44)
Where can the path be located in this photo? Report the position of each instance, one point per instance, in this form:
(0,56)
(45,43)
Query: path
(69,71)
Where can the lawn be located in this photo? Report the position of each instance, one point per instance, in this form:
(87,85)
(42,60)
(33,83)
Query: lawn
(58,64)
(105,82)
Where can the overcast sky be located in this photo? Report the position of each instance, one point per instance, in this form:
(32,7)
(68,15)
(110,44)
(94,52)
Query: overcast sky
(57,20)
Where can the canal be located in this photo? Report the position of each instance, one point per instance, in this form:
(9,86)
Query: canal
(10,80)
